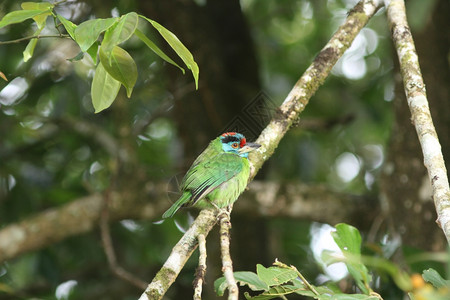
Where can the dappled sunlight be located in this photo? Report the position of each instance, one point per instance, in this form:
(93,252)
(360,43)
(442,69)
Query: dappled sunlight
(14,91)
(352,64)
(347,166)
(322,240)
(64,290)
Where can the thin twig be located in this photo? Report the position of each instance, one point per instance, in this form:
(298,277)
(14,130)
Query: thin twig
(305,282)
(27,38)
(420,112)
(201,269)
(227,263)
(109,249)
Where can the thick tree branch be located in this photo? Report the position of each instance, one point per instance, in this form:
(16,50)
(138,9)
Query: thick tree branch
(301,201)
(420,112)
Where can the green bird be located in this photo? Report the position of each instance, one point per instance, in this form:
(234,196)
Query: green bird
(218,176)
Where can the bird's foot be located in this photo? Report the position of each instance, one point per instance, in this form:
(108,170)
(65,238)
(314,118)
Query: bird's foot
(226,211)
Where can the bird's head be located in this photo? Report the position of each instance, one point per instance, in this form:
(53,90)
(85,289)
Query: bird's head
(234,142)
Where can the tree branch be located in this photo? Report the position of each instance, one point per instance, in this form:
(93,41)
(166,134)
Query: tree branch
(179,255)
(109,248)
(311,202)
(310,81)
(227,263)
(201,269)
(420,112)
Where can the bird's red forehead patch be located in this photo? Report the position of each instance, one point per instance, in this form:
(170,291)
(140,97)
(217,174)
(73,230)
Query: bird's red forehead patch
(243,142)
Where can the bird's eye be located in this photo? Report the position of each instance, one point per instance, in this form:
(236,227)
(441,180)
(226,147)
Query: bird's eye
(235,145)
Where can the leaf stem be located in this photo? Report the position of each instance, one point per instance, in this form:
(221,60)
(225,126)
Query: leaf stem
(308,285)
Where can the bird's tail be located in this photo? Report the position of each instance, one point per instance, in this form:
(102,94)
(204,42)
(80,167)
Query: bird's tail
(173,209)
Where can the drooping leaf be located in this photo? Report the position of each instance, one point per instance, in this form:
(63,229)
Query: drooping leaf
(45,7)
(121,66)
(178,47)
(348,239)
(92,51)
(120,32)
(88,32)
(77,57)
(433,277)
(29,49)
(104,89)
(243,278)
(275,275)
(156,49)
(68,25)
(18,16)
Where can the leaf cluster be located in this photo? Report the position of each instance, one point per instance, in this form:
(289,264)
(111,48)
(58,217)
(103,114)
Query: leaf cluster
(280,279)
(115,66)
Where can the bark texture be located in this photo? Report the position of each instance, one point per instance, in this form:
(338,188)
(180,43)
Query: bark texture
(405,183)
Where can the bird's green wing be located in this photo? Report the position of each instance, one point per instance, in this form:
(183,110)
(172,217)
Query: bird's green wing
(206,176)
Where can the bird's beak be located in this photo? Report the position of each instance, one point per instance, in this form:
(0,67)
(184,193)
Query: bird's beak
(249,147)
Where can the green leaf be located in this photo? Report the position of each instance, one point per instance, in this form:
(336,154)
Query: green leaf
(156,49)
(244,278)
(45,7)
(220,285)
(250,279)
(104,89)
(18,16)
(353,297)
(178,47)
(275,275)
(92,51)
(120,32)
(77,57)
(348,239)
(29,50)
(433,277)
(274,292)
(121,66)
(88,32)
(68,25)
